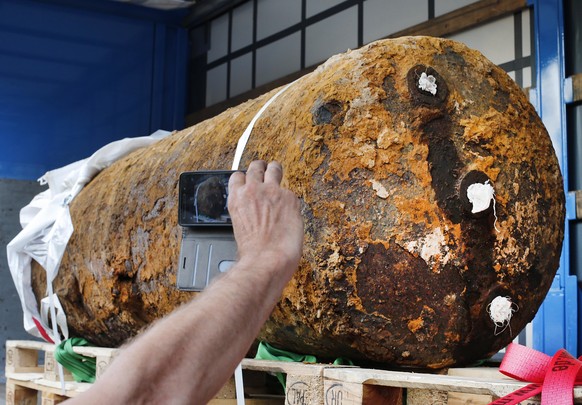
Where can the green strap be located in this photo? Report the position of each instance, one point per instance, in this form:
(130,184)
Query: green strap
(82,367)
(342,361)
(267,352)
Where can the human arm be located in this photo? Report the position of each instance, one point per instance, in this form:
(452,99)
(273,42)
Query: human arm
(188,356)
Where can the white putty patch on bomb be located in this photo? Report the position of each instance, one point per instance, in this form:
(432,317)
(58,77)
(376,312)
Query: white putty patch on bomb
(427,83)
(501,310)
(480,196)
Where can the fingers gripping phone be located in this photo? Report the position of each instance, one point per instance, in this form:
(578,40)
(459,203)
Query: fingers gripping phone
(208,247)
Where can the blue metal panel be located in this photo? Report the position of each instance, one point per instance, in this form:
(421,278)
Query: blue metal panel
(174,97)
(555,325)
(124,9)
(73,79)
(158,76)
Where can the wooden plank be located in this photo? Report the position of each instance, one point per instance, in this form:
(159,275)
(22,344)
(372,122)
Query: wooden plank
(492,373)
(577,87)
(423,397)
(18,377)
(49,398)
(22,356)
(104,356)
(472,385)
(51,366)
(304,389)
(27,344)
(423,381)
(305,385)
(346,393)
(93,351)
(54,387)
(463,398)
(460,398)
(273,366)
(18,395)
(464,18)
(573,88)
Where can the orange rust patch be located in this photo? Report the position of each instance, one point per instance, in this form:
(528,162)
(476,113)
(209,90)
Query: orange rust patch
(415,324)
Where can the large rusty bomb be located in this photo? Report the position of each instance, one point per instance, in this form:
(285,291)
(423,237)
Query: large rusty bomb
(381,144)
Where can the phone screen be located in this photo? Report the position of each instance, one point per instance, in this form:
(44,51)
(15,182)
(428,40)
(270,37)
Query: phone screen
(203,198)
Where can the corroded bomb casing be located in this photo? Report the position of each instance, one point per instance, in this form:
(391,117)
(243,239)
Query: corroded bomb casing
(397,269)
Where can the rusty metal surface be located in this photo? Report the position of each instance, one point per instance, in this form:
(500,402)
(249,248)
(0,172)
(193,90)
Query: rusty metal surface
(396,268)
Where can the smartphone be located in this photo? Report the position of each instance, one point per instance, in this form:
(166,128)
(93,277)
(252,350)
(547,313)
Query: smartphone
(208,247)
(203,198)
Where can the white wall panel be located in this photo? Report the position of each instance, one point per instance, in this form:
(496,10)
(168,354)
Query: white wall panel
(446,6)
(526,32)
(242,26)
(331,36)
(218,38)
(495,40)
(276,15)
(527,79)
(382,18)
(216,85)
(314,7)
(241,72)
(278,59)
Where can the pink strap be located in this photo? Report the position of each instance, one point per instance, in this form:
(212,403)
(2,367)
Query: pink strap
(560,379)
(554,377)
(42,331)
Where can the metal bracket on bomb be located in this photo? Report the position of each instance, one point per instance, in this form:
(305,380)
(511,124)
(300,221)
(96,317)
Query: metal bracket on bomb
(208,247)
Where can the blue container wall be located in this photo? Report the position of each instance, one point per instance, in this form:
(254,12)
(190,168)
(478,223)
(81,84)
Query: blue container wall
(73,79)
(74,76)
(556,323)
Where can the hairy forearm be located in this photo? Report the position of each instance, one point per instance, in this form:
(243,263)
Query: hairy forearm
(194,357)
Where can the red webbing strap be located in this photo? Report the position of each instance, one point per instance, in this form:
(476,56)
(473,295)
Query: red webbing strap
(524,364)
(42,331)
(560,379)
(519,396)
(554,377)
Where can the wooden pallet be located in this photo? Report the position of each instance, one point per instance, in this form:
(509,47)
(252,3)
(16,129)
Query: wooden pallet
(475,386)
(304,382)
(32,371)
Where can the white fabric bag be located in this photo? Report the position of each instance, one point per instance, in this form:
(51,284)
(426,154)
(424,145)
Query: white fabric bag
(47,227)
